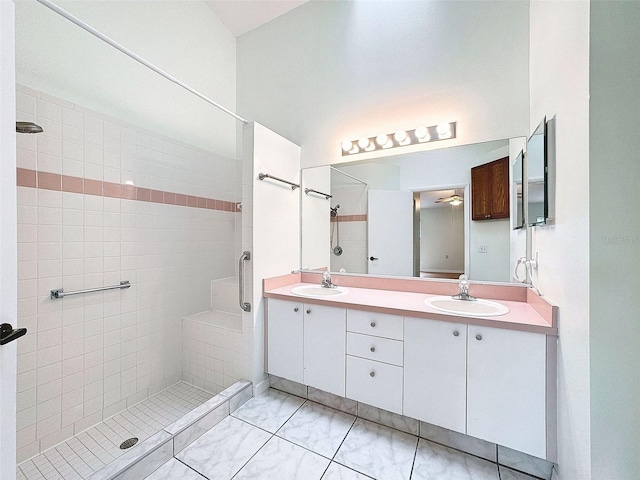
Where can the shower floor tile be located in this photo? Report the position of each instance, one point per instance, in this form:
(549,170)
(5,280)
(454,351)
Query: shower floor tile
(82,455)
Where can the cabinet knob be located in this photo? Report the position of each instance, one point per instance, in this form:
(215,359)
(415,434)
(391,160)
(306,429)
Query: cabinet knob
(308,311)
(373,349)
(478,337)
(487,216)
(372,374)
(456,333)
(296,309)
(373,324)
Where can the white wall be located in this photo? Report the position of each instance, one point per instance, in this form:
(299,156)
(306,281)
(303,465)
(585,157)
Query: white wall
(614,239)
(494,265)
(559,66)
(442,239)
(183,38)
(271,223)
(517,238)
(329,71)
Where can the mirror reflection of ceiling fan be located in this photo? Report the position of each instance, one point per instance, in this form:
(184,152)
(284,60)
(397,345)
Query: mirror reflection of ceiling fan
(453,200)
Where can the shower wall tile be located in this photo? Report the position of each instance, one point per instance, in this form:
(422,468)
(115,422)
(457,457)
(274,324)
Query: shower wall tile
(100,201)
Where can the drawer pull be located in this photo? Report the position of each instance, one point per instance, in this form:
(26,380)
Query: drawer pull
(296,309)
(308,311)
(373,349)
(478,337)
(373,324)
(372,374)
(456,333)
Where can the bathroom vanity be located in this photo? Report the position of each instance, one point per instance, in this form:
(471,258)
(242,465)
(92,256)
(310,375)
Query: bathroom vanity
(381,342)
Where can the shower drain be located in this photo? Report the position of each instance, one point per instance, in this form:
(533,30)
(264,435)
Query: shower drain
(128,443)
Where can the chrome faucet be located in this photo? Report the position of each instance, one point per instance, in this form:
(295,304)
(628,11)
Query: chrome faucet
(463,292)
(326,280)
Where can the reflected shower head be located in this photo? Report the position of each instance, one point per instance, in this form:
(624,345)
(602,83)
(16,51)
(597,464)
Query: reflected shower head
(334,211)
(28,127)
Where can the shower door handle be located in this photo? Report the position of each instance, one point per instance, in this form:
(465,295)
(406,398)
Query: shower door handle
(8,334)
(243,305)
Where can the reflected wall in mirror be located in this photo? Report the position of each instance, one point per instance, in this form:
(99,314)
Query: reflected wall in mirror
(517,192)
(536,154)
(408,215)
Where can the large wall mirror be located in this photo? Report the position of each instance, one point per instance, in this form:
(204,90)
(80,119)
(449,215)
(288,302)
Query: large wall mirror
(409,215)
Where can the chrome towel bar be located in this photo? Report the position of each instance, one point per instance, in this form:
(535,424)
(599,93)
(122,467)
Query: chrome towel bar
(262,176)
(246,255)
(59,293)
(311,190)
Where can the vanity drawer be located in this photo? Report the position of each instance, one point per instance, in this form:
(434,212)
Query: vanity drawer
(375,348)
(374,383)
(373,323)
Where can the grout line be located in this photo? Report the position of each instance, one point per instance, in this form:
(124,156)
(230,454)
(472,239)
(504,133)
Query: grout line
(415,455)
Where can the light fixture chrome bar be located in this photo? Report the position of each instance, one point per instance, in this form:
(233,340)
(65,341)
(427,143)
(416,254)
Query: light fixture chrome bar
(246,255)
(311,190)
(348,175)
(60,293)
(401,138)
(136,57)
(262,176)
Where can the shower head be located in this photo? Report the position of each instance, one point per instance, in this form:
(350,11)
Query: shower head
(28,127)
(334,211)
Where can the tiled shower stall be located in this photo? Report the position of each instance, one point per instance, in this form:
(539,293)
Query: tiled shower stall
(102,201)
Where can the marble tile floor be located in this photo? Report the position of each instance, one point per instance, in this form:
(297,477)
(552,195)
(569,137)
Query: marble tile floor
(80,456)
(278,436)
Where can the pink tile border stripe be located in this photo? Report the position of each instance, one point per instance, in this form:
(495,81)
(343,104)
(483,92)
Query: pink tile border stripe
(66,183)
(350,218)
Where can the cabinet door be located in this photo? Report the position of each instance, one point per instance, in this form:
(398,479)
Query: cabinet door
(325,330)
(480,191)
(500,188)
(490,190)
(374,383)
(285,339)
(506,388)
(435,364)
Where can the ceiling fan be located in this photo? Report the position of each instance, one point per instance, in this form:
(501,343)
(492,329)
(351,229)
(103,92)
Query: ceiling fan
(453,200)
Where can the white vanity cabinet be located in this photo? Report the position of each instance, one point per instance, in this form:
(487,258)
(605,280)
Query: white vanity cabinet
(435,372)
(285,339)
(506,388)
(375,359)
(324,348)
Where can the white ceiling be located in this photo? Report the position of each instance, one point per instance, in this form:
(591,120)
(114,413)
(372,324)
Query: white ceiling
(242,16)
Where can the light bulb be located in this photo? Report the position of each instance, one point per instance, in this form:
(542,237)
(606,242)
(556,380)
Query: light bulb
(444,130)
(363,143)
(382,139)
(422,134)
(455,203)
(347,145)
(400,136)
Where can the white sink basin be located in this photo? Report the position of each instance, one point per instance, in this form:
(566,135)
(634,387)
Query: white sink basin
(316,291)
(476,308)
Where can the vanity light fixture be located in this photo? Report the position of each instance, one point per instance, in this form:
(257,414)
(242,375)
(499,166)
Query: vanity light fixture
(401,138)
